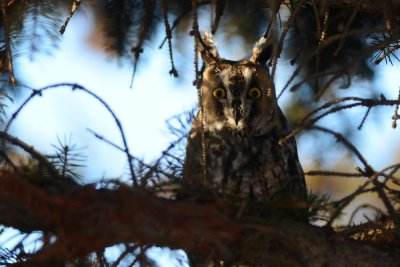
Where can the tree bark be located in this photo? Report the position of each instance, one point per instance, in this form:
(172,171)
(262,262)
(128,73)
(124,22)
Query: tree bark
(84,219)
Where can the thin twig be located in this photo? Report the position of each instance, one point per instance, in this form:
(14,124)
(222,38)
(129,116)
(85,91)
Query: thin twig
(364,118)
(148,15)
(152,167)
(388,205)
(168,31)
(219,6)
(333,173)
(317,17)
(346,29)
(329,41)
(386,53)
(175,23)
(128,249)
(74,8)
(331,108)
(285,30)
(356,210)
(367,168)
(344,202)
(396,115)
(77,87)
(31,151)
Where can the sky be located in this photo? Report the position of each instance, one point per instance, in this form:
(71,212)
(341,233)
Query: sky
(154,97)
(142,110)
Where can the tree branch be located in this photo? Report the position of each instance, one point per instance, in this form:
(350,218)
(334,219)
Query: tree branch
(86,219)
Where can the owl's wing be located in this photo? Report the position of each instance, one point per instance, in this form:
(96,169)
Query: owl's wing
(296,184)
(193,169)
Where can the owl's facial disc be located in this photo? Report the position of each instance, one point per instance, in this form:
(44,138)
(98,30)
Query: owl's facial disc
(238,97)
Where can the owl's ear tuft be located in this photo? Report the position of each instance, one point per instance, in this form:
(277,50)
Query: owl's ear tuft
(262,51)
(207,48)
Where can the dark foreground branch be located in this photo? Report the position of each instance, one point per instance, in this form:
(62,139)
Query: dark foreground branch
(86,219)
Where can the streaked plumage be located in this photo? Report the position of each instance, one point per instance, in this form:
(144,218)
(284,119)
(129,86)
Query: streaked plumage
(242,126)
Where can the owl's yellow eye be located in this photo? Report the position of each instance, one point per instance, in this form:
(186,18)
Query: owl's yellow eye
(219,93)
(254,93)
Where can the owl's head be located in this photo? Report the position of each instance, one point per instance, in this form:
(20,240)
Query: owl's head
(237,95)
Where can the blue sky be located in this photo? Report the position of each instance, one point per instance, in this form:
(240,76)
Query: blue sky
(155,96)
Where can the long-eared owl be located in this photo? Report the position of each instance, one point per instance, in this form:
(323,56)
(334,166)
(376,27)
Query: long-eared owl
(233,147)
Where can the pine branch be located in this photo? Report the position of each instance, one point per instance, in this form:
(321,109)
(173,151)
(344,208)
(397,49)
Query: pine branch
(127,215)
(76,87)
(31,151)
(67,158)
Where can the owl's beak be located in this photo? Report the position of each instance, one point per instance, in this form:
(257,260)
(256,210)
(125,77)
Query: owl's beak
(237,111)
(237,114)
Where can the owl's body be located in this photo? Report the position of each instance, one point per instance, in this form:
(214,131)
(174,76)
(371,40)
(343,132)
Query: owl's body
(233,147)
(249,167)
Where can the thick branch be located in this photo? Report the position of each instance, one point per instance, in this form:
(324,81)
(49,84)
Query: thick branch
(85,219)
